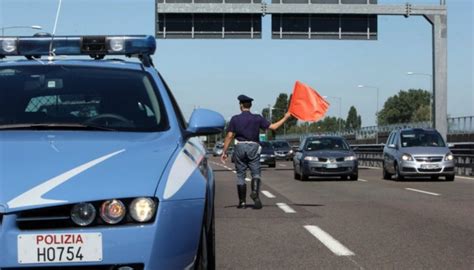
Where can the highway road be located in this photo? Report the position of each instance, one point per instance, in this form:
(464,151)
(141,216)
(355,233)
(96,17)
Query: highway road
(335,224)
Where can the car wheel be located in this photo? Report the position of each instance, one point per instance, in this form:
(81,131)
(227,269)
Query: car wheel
(354,177)
(450,177)
(398,177)
(272,165)
(206,259)
(434,178)
(386,175)
(295,175)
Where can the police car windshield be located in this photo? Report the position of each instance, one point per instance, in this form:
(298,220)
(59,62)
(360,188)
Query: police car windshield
(320,144)
(56,96)
(421,138)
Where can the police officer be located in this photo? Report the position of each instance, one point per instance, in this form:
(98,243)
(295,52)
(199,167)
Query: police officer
(245,128)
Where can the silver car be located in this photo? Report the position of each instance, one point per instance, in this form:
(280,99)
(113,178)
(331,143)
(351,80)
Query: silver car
(417,152)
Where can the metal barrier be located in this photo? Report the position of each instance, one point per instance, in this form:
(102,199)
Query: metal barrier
(371,155)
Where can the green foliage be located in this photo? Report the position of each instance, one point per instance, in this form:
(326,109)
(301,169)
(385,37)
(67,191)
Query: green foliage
(353,121)
(406,106)
(328,124)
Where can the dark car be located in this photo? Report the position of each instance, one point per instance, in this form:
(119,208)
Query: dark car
(267,155)
(325,156)
(283,150)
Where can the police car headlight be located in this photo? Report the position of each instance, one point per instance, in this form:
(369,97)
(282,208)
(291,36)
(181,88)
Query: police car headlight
(311,158)
(9,45)
(142,209)
(113,211)
(116,45)
(83,214)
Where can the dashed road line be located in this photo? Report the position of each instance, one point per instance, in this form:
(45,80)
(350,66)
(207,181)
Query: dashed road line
(286,208)
(268,194)
(362,180)
(248,179)
(282,165)
(422,191)
(332,244)
(234,171)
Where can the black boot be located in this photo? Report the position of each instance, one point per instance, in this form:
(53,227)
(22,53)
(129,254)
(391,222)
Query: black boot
(255,192)
(242,191)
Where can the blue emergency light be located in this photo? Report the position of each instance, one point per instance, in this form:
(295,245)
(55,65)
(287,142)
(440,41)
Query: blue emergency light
(95,46)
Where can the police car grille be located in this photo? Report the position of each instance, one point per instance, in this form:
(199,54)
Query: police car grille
(45,218)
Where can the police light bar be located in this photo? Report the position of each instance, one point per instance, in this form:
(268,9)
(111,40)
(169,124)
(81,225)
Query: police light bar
(95,46)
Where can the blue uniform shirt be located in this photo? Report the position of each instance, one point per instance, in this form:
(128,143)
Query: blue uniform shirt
(246,126)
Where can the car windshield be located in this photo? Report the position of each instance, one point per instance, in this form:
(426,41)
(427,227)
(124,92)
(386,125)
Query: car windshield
(317,144)
(266,145)
(281,145)
(421,138)
(57,96)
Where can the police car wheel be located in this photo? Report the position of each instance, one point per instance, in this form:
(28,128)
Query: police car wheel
(206,259)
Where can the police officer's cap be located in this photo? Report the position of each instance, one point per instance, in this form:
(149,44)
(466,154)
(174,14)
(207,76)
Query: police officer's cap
(244,99)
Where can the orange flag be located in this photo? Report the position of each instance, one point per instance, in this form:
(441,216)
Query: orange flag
(306,104)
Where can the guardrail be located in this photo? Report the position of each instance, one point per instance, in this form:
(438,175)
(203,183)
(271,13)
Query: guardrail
(372,155)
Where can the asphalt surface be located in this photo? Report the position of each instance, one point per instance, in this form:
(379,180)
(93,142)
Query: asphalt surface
(342,224)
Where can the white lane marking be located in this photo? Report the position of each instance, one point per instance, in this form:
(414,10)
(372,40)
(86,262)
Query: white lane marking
(35,195)
(332,244)
(464,177)
(362,180)
(422,191)
(286,208)
(248,179)
(234,171)
(268,194)
(282,165)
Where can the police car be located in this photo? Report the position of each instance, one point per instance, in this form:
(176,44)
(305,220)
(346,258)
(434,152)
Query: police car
(98,167)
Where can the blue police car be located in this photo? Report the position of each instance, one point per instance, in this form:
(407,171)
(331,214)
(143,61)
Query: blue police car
(98,167)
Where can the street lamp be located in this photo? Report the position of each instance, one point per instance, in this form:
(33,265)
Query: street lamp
(340,105)
(377,112)
(35,27)
(431,90)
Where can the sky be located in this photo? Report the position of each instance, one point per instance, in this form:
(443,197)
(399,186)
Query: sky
(212,73)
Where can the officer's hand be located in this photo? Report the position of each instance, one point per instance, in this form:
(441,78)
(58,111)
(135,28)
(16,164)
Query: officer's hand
(288,115)
(223,157)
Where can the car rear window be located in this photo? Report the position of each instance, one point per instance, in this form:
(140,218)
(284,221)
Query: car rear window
(118,99)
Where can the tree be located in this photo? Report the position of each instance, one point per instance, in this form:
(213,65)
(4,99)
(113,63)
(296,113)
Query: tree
(405,107)
(353,120)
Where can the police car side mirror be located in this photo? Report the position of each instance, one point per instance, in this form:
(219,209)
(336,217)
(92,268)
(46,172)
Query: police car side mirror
(205,122)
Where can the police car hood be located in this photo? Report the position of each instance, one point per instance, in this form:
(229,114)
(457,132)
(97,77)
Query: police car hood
(44,168)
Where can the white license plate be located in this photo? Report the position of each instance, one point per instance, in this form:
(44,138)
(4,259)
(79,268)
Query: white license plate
(57,248)
(331,166)
(429,166)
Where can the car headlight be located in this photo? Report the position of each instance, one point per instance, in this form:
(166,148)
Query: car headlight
(142,209)
(83,214)
(349,158)
(407,157)
(112,211)
(272,155)
(449,157)
(290,152)
(311,158)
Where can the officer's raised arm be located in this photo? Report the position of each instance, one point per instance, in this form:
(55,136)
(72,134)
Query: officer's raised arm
(280,122)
